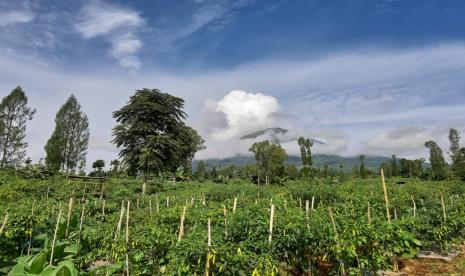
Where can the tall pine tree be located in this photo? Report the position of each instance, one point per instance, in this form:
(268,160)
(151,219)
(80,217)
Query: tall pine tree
(14,113)
(67,147)
(438,164)
(306,155)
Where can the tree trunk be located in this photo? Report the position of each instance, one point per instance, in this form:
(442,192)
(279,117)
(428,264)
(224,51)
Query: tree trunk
(5,145)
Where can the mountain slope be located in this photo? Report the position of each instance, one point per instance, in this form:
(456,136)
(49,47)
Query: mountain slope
(334,161)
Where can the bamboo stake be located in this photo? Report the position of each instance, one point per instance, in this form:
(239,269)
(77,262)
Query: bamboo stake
(103,209)
(81,221)
(127,237)
(414,209)
(271,224)
(150,206)
(181,224)
(209,233)
(209,244)
(235,204)
(167,201)
(55,237)
(285,204)
(225,221)
(158,205)
(127,222)
(120,221)
(313,201)
(369,213)
(333,222)
(32,226)
(5,220)
(385,197)
(395,213)
(68,218)
(443,208)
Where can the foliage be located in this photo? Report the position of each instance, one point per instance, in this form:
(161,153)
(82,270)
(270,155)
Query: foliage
(14,113)
(438,164)
(152,134)
(270,160)
(302,242)
(67,147)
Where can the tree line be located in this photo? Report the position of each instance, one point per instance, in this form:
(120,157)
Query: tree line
(150,132)
(154,140)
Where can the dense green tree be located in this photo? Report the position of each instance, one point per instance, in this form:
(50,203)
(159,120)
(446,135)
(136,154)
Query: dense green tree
(269,160)
(98,165)
(114,166)
(200,170)
(387,169)
(363,171)
(66,149)
(152,134)
(305,146)
(460,164)
(14,113)
(454,151)
(394,166)
(438,164)
(292,171)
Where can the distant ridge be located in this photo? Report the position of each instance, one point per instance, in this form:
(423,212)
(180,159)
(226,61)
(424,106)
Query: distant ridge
(319,160)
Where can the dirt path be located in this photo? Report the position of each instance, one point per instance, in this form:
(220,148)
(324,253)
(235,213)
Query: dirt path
(436,267)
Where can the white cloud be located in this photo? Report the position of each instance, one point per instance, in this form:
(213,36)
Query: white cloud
(244,112)
(352,100)
(14,17)
(117,25)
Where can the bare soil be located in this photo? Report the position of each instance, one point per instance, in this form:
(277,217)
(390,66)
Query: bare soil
(436,267)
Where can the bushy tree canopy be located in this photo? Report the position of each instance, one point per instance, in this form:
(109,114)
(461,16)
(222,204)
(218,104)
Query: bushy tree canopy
(152,134)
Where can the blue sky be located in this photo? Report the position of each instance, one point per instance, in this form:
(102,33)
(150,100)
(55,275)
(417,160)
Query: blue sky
(368,76)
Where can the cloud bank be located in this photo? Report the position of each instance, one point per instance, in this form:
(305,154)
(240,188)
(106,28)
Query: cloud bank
(117,25)
(370,102)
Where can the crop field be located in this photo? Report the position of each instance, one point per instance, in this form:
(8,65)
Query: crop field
(194,228)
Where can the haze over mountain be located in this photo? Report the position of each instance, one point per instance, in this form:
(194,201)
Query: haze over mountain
(365,77)
(319,160)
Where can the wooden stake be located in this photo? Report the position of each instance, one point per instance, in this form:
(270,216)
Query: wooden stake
(369,213)
(81,221)
(127,222)
(32,228)
(70,212)
(385,197)
(181,224)
(150,206)
(285,204)
(120,221)
(235,204)
(443,208)
(333,222)
(209,233)
(395,213)
(270,236)
(5,220)
(167,201)
(225,221)
(158,205)
(313,201)
(414,209)
(55,237)
(209,244)
(103,209)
